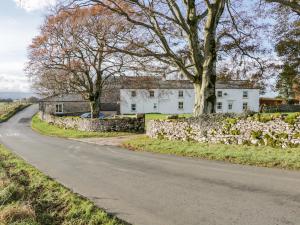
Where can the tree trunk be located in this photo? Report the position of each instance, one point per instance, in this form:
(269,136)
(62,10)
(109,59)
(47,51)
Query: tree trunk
(95,105)
(208,93)
(205,98)
(198,99)
(205,91)
(209,76)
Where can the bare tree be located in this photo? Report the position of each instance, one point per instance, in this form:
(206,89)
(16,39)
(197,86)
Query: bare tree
(71,54)
(294,5)
(169,33)
(186,35)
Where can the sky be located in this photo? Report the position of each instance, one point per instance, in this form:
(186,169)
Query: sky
(19,23)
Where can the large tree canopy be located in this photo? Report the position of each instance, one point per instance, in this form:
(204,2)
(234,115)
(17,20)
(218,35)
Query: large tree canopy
(72,53)
(294,5)
(190,37)
(287,47)
(196,38)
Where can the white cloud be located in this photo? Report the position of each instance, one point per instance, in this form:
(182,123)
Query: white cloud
(33,5)
(12,77)
(14,83)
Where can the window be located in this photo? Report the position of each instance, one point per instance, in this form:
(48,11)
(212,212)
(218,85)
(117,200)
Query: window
(219,94)
(180,94)
(245,105)
(219,105)
(133,107)
(230,106)
(180,105)
(133,93)
(155,106)
(151,94)
(245,94)
(59,108)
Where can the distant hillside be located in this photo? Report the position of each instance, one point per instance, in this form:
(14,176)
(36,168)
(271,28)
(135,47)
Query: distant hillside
(16,95)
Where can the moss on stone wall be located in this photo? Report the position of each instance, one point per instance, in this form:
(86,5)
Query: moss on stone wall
(274,130)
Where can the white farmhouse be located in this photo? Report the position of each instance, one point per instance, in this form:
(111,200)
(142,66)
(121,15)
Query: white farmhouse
(177,96)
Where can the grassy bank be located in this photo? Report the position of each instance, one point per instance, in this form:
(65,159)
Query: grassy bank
(29,197)
(47,129)
(8,110)
(248,155)
(156,116)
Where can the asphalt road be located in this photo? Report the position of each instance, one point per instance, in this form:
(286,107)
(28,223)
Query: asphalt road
(152,189)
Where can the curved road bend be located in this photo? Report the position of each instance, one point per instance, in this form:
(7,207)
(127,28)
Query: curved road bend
(152,189)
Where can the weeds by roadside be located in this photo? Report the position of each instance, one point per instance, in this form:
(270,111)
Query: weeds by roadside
(29,197)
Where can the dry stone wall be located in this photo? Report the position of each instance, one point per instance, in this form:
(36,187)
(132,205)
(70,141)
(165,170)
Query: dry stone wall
(281,108)
(270,130)
(127,124)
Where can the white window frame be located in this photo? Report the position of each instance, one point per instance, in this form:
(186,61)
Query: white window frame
(221,95)
(133,93)
(151,91)
(180,105)
(58,109)
(245,104)
(133,105)
(230,105)
(219,105)
(180,94)
(245,94)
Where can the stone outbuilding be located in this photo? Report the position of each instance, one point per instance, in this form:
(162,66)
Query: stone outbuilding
(74,105)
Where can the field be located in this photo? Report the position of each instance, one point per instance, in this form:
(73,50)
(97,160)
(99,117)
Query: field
(7,110)
(5,106)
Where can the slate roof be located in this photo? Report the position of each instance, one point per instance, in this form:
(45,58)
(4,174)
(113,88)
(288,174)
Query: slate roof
(236,84)
(111,93)
(64,98)
(159,83)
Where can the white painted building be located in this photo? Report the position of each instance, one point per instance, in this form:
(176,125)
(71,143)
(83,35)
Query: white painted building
(177,97)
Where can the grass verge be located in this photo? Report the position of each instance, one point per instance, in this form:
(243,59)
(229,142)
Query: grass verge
(12,112)
(157,116)
(29,197)
(51,130)
(248,155)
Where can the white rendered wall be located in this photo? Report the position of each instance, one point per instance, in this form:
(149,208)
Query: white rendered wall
(235,96)
(167,100)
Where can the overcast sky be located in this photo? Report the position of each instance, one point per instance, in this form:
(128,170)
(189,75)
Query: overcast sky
(19,23)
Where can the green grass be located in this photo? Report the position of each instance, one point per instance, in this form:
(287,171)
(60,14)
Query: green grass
(156,116)
(51,130)
(28,197)
(7,110)
(249,155)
